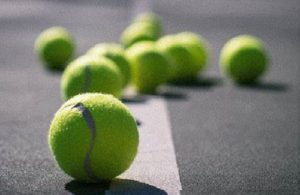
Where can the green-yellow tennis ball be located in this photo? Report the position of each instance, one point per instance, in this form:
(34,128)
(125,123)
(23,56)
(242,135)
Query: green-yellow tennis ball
(137,32)
(149,67)
(198,47)
(93,137)
(184,64)
(91,74)
(244,59)
(150,18)
(115,53)
(55,47)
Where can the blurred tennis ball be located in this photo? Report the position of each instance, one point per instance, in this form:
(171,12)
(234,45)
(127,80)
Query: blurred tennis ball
(152,19)
(137,32)
(184,65)
(115,53)
(93,137)
(198,47)
(144,27)
(55,47)
(91,74)
(149,67)
(244,59)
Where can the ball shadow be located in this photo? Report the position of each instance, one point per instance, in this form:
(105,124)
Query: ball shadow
(116,186)
(171,93)
(163,91)
(126,186)
(198,82)
(266,86)
(54,71)
(134,99)
(138,122)
(78,188)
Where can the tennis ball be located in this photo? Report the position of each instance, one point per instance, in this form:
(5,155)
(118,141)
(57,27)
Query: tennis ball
(149,67)
(150,18)
(93,137)
(197,46)
(244,59)
(136,32)
(184,64)
(55,47)
(115,53)
(91,74)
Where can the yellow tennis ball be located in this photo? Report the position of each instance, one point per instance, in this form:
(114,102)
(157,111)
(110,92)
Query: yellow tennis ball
(149,67)
(115,53)
(55,47)
(198,47)
(93,137)
(152,19)
(137,32)
(244,59)
(91,74)
(183,62)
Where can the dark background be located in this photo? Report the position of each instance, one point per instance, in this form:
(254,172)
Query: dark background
(228,139)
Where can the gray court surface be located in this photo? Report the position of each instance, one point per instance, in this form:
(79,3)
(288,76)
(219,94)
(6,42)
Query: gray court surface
(227,139)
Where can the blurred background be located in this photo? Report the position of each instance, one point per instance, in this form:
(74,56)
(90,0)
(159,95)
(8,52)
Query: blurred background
(103,20)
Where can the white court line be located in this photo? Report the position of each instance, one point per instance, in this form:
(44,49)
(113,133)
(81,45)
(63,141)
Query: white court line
(155,163)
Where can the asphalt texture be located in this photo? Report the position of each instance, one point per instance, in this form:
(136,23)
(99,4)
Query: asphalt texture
(228,139)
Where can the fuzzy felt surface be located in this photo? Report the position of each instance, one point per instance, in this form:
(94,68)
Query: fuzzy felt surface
(115,139)
(88,74)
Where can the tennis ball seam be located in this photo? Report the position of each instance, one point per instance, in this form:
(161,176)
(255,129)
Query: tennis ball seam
(87,116)
(87,78)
